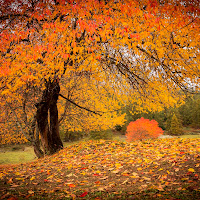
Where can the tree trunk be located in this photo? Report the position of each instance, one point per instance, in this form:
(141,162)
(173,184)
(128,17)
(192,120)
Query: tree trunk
(36,143)
(47,118)
(38,152)
(54,124)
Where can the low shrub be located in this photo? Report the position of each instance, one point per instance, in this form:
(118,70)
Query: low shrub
(143,129)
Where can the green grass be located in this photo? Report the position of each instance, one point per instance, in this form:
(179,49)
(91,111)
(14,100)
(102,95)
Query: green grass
(17,154)
(12,156)
(189,136)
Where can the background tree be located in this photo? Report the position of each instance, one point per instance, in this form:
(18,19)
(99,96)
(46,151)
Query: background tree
(190,111)
(143,52)
(175,126)
(196,113)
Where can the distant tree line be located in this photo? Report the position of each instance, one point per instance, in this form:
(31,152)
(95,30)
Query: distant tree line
(172,119)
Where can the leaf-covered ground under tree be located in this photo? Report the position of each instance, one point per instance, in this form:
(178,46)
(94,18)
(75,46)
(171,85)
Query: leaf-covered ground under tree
(150,169)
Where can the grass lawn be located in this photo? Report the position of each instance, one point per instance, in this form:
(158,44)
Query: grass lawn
(151,169)
(190,136)
(20,154)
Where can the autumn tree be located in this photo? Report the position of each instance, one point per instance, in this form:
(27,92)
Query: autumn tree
(116,51)
(143,129)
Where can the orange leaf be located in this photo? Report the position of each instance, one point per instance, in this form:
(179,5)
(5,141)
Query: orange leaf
(71,185)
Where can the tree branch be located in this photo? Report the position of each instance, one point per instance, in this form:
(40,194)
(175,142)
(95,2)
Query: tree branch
(11,16)
(64,113)
(167,70)
(19,124)
(79,105)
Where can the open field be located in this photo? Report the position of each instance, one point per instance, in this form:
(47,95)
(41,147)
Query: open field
(151,169)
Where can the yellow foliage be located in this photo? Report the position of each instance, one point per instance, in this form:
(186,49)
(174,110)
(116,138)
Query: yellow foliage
(12,138)
(104,55)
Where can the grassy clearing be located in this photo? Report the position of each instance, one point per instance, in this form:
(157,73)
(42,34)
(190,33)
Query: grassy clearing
(150,169)
(17,154)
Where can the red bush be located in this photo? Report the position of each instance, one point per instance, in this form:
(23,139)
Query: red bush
(143,129)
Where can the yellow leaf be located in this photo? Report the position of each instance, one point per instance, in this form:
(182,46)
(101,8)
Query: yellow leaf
(31,192)
(146,178)
(118,165)
(191,170)
(20,179)
(116,171)
(32,178)
(135,174)
(184,179)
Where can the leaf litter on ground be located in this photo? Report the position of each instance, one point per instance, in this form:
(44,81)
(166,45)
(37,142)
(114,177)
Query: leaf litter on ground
(164,165)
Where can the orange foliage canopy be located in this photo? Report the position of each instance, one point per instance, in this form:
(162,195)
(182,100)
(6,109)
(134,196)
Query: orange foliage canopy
(104,53)
(143,129)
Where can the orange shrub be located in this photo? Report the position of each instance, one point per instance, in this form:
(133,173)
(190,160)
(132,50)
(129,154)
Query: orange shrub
(143,129)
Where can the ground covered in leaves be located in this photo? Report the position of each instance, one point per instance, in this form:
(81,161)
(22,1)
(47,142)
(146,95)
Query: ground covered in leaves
(150,169)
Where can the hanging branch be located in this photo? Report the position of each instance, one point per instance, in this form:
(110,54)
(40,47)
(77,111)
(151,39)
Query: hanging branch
(96,113)
(172,76)
(64,113)
(19,124)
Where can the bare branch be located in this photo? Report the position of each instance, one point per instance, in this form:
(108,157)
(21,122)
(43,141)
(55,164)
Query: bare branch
(96,113)
(19,124)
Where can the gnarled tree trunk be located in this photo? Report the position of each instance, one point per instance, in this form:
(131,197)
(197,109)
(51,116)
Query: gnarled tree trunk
(36,145)
(47,118)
